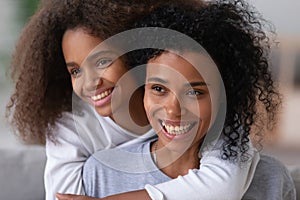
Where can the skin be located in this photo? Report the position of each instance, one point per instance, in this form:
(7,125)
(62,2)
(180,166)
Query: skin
(98,80)
(136,195)
(169,96)
(90,81)
(177,97)
(89,78)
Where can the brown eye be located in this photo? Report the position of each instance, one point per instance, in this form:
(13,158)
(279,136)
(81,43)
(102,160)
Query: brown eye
(75,72)
(195,92)
(158,89)
(104,62)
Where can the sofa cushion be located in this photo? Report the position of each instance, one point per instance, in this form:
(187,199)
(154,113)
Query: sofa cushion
(21,173)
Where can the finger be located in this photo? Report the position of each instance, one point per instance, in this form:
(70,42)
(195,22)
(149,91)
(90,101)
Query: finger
(64,196)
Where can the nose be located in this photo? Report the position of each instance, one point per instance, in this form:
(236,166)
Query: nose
(174,107)
(91,80)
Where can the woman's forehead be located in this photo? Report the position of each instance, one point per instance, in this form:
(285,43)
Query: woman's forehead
(189,64)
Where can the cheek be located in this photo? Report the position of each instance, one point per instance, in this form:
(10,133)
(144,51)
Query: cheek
(153,111)
(114,72)
(152,105)
(147,104)
(76,85)
(205,115)
(202,109)
(118,74)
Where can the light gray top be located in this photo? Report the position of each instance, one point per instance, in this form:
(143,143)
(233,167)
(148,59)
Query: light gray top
(103,178)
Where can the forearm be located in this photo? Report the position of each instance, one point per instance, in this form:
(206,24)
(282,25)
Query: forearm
(65,159)
(213,180)
(62,175)
(134,195)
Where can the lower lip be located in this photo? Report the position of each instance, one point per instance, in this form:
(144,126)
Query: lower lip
(103,101)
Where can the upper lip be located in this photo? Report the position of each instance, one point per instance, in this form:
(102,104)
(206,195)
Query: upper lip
(96,92)
(176,122)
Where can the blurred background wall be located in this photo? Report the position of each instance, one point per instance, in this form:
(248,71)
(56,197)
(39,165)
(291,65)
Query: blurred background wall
(22,167)
(286,68)
(13,15)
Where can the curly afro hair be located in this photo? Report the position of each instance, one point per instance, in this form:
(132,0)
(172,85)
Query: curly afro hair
(232,34)
(43,87)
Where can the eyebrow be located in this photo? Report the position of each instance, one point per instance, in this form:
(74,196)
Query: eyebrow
(156,79)
(160,80)
(193,84)
(72,64)
(100,53)
(92,57)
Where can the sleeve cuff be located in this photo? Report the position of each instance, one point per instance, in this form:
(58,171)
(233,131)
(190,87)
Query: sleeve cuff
(154,193)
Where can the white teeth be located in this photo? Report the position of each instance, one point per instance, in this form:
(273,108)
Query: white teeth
(101,96)
(176,130)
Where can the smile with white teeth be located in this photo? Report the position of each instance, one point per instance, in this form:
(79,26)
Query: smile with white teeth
(101,95)
(176,130)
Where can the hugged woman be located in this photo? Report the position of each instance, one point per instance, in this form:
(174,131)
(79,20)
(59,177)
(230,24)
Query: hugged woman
(48,66)
(180,94)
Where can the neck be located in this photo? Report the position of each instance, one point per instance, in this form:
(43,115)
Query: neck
(172,163)
(137,121)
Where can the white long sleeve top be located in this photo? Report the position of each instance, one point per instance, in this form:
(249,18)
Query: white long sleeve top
(81,133)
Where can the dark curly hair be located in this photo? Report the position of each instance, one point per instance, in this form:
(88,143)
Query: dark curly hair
(43,87)
(232,34)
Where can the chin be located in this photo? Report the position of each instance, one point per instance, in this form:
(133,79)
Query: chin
(104,112)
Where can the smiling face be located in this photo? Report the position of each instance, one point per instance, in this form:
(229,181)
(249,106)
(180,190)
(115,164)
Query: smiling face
(177,101)
(96,80)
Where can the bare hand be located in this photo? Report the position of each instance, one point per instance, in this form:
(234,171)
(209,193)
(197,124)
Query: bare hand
(74,197)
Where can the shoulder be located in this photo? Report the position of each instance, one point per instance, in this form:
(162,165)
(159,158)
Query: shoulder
(270,165)
(129,158)
(271,180)
(81,112)
(120,152)
(81,127)
(270,169)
